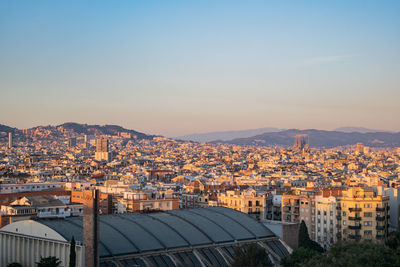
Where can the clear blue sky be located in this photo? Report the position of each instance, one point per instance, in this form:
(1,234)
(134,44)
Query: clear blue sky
(176,67)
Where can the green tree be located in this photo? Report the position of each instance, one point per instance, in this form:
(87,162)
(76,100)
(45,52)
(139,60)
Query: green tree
(393,241)
(72,254)
(250,255)
(305,241)
(298,257)
(14,264)
(48,262)
(355,254)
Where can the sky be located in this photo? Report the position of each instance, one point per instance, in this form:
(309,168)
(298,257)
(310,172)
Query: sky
(180,67)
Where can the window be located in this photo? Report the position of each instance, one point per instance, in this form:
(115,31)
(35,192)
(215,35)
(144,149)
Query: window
(368,223)
(319,212)
(344,222)
(367,214)
(344,213)
(367,232)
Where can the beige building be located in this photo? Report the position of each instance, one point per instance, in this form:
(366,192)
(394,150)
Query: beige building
(247,201)
(362,215)
(299,206)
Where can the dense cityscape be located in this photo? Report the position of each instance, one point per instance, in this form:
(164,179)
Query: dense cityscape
(199,133)
(341,194)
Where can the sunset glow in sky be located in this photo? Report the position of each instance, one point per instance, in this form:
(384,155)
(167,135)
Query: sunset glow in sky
(178,67)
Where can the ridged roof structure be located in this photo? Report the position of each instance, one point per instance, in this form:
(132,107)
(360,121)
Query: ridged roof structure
(131,233)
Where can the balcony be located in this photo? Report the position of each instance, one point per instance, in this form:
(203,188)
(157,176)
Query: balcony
(357,218)
(339,217)
(356,237)
(338,225)
(355,227)
(379,236)
(355,209)
(286,209)
(380,227)
(380,209)
(339,235)
(380,218)
(338,208)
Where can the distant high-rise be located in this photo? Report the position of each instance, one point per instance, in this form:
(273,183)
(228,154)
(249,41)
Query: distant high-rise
(71,142)
(359,148)
(10,140)
(102,145)
(102,149)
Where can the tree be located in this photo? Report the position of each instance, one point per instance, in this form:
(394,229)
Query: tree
(250,255)
(355,254)
(298,257)
(72,253)
(14,264)
(305,241)
(48,262)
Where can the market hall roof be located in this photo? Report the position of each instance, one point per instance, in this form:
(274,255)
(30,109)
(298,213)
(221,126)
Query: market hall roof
(135,233)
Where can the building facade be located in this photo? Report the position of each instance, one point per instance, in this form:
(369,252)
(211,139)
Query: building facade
(362,215)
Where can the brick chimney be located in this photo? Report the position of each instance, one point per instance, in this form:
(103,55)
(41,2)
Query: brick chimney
(91,237)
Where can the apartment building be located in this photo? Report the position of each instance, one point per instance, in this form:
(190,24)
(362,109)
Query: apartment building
(142,201)
(362,215)
(247,201)
(273,208)
(325,217)
(299,205)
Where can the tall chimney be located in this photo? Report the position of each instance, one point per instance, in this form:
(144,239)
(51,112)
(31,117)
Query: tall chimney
(91,237)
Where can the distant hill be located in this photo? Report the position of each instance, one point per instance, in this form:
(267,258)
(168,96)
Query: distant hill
(319,138)
(101,129)
(86,129)
(357,130)
(7,129)
(225,135)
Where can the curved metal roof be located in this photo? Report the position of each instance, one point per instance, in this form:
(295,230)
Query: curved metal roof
(131,233)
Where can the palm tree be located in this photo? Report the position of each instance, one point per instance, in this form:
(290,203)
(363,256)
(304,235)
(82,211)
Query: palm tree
(48,262)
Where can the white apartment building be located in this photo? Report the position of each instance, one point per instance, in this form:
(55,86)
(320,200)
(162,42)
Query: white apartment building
(325,220)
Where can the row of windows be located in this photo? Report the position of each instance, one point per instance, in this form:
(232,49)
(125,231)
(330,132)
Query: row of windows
(366,214)
(29,187)
(325,213)
(366,223)
(366,205)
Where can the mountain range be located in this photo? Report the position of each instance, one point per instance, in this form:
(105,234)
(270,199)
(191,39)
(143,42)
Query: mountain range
(344,136)
(320,138)
(225,135)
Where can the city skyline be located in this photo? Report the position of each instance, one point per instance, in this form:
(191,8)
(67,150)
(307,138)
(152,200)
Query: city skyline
(182,68)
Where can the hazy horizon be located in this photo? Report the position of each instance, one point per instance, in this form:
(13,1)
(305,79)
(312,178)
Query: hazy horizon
(178,67)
